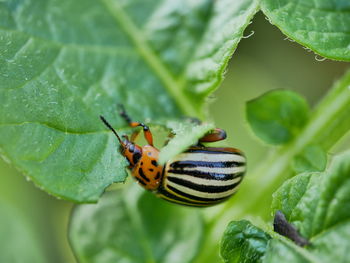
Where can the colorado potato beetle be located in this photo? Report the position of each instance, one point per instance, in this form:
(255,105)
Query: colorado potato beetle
(201,176)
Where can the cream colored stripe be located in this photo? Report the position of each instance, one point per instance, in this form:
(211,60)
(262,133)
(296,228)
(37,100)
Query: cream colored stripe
(202,181)
(201,194)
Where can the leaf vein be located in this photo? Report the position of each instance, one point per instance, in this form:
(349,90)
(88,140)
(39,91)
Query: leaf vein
(39,74)
(302,252)
(146,52)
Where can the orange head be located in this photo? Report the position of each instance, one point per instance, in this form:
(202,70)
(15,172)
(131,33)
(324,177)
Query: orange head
(131,151)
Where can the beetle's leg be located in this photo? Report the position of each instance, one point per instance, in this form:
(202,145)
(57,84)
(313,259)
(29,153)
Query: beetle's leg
(125,137)
(194,120)
(214,136)
(134,136)
(146,131)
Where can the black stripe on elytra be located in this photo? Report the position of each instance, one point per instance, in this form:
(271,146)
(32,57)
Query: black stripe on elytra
(194,197)
(206,175)
(201,187)
(140,181)
(175,198)
(143,175)
(193,164)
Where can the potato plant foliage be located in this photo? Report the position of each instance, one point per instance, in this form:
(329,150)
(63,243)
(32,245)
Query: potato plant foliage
(64,63)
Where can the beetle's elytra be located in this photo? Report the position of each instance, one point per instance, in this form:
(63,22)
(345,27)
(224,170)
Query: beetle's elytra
(201,176)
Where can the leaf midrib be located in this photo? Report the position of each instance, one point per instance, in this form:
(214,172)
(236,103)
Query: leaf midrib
(328,229)
(173,86)
(301,251)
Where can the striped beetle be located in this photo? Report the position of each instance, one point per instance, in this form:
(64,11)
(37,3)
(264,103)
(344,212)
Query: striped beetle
(201,176)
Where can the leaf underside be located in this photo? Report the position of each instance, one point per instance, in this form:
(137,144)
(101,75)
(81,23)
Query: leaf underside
(321,25)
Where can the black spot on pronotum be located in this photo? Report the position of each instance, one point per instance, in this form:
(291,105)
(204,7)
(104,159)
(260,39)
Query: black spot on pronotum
(157,176)
(136,157)
(151,170)
(143,175)
(284,228)
(140,181)
(154,162)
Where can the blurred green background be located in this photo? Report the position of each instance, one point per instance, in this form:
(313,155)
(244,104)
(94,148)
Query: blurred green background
(264,61)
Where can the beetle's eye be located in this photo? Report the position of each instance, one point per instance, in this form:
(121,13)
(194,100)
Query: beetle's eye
(132,148)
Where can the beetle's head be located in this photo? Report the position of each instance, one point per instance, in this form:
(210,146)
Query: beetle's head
(131,151)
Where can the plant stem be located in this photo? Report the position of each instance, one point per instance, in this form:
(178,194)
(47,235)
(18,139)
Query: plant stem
(329,122)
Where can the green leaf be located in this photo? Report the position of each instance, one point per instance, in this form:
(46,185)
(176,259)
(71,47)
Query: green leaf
(318,204)
(328,123)
(185,134)
(283,251)
(18,242)
(321,25)
(312,159)
(62,64)
(243,242)
(277,116)
(132,227)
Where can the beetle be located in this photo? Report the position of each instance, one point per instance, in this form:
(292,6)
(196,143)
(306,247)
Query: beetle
(200,176)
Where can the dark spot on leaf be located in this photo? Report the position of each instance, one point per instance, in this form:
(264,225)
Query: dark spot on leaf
(284,228)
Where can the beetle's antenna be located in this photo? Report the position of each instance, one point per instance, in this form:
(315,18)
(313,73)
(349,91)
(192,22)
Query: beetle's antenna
(111,128)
